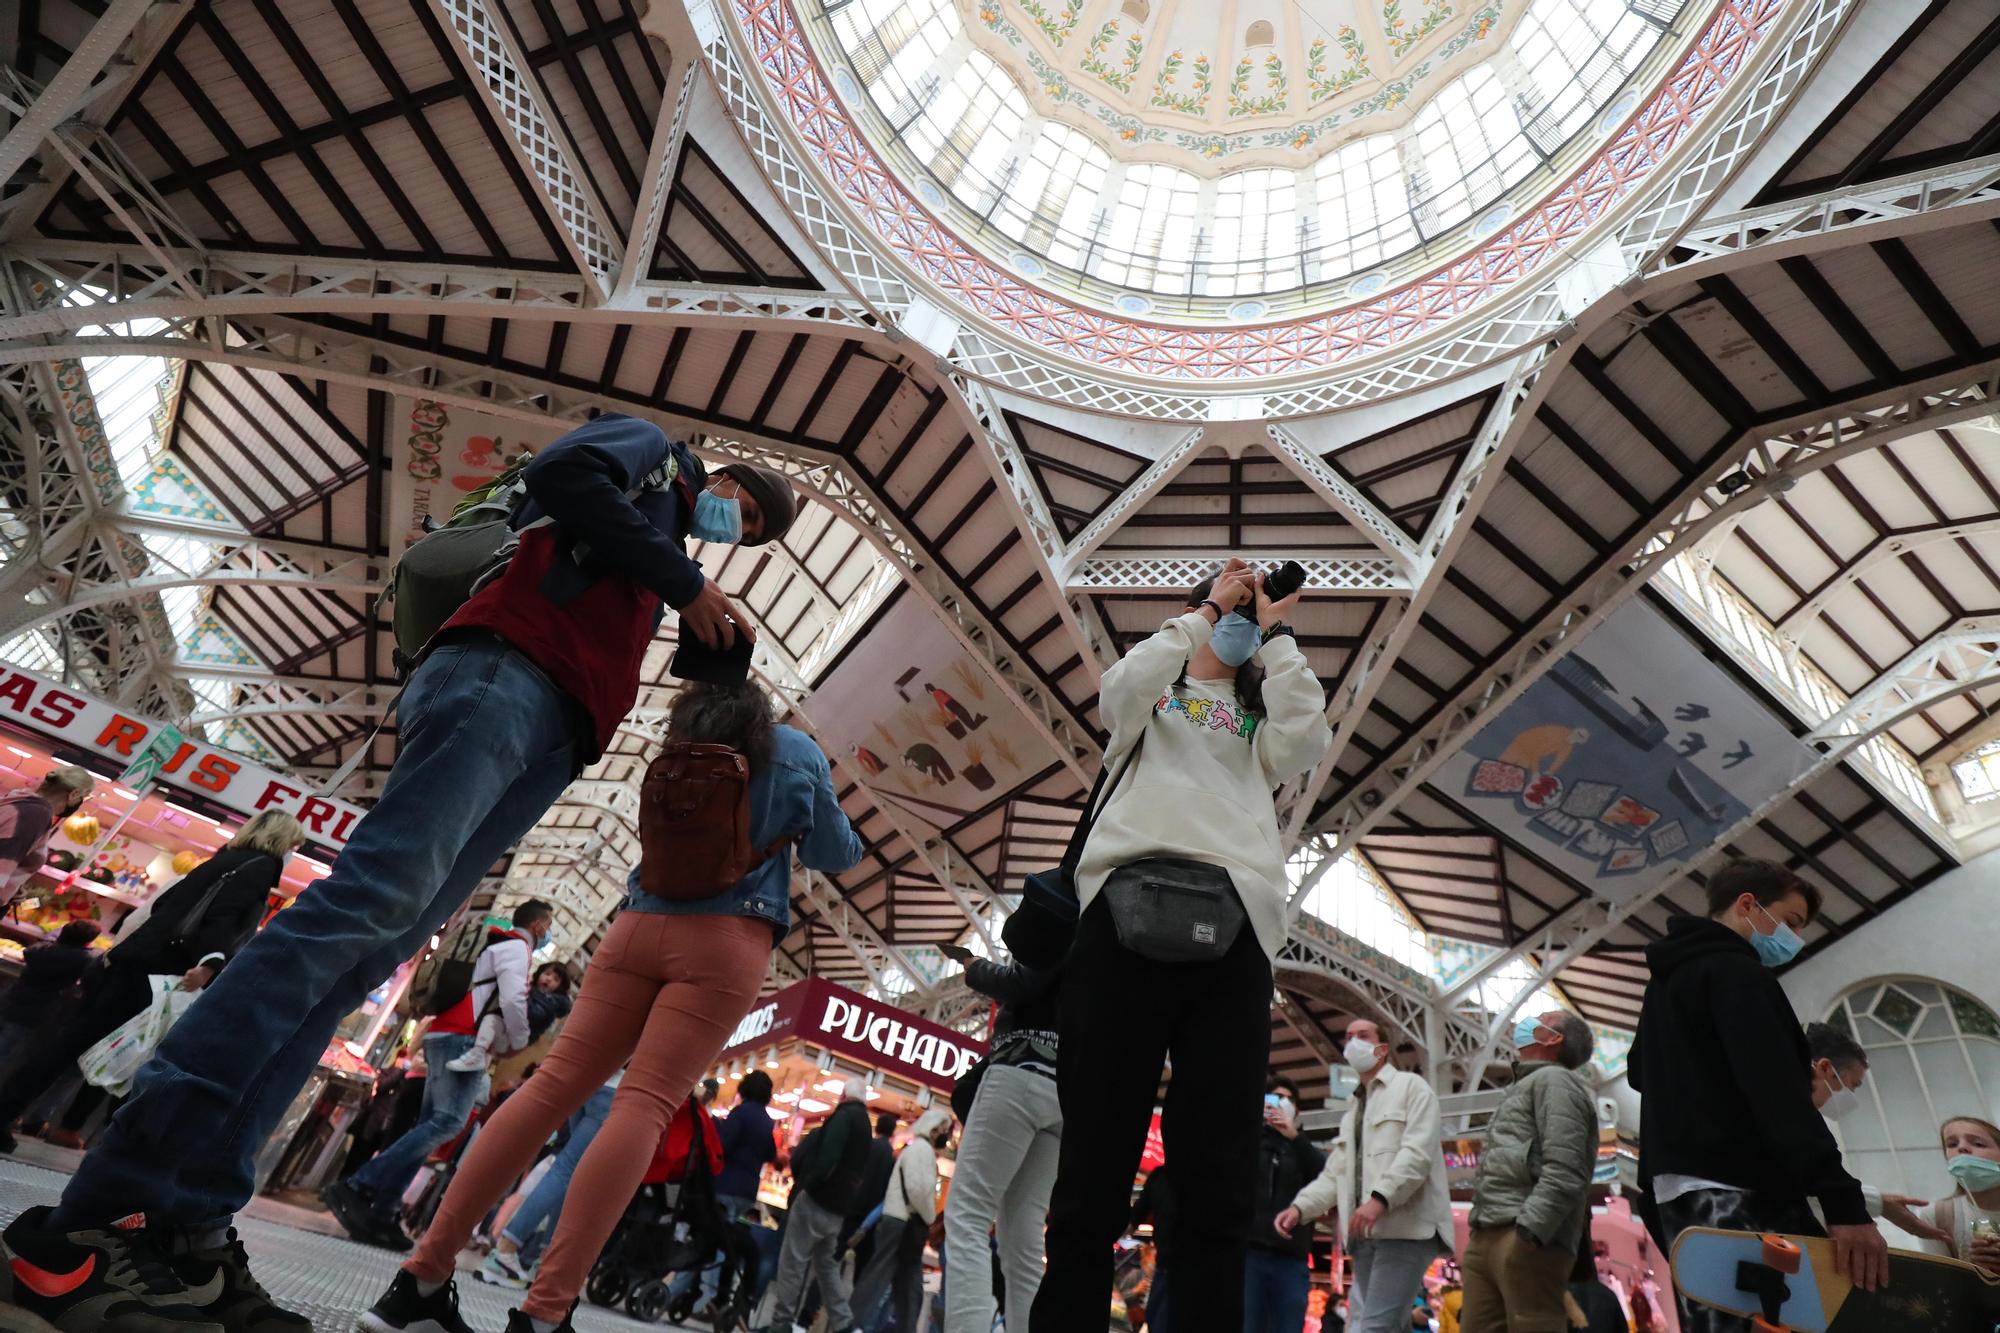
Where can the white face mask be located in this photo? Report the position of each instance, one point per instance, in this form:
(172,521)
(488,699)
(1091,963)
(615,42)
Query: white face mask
(1360,1054)
(1842,1102)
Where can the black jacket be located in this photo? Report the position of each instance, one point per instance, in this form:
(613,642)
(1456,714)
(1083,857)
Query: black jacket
(848,1135)
(48,971)
(247,877)
(1027,997)
(880,1165)
(1284,1167)
(1721,1063)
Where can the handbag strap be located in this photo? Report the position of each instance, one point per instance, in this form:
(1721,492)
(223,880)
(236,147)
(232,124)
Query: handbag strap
(189,924)
(1107,786)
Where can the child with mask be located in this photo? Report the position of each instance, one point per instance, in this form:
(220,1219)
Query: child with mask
(1968,1219)
(1728,1133)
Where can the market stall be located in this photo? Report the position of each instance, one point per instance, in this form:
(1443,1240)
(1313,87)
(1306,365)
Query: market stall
(814,1038)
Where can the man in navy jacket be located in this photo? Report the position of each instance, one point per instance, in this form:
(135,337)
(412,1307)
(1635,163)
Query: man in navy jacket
(513,698)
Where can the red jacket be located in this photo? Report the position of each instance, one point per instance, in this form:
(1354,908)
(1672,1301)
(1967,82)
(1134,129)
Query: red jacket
(670,1162)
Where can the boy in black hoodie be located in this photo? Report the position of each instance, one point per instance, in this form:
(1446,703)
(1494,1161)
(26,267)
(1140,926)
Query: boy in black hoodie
(1728,1134)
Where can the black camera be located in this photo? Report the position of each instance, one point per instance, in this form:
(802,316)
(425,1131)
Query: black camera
(1285,580)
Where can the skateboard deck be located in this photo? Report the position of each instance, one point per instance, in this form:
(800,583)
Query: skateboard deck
(1789,1283)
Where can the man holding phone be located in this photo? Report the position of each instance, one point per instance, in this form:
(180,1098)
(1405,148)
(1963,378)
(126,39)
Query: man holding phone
(516,695)
(1276,1279)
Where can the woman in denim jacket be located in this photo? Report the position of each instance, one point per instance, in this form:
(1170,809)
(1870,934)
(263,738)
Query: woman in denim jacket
(664,991)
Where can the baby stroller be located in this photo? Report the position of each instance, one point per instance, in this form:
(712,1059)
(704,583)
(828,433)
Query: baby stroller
(664,1229)
(736,1288)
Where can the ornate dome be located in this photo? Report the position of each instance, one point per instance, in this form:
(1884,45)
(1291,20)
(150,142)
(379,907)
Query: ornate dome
(1216,152)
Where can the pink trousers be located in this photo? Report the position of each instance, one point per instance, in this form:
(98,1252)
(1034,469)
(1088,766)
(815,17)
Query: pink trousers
(663,992)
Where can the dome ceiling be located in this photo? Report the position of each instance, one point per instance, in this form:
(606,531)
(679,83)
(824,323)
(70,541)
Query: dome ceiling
(1219,86)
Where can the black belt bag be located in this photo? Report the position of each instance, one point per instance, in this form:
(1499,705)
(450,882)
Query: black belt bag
(1174,911)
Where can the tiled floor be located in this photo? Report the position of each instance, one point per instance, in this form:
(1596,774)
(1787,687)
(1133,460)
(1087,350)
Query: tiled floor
(322,1275)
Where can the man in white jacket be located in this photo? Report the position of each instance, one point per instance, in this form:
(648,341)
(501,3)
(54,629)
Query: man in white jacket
(896,1267)
(1386,1173)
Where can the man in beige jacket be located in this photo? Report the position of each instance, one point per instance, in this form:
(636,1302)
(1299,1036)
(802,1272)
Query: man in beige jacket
(1386,1173)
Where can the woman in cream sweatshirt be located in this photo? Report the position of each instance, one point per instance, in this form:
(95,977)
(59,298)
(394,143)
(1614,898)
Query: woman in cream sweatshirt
(1229,709)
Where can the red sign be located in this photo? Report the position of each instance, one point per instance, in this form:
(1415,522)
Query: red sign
(76,719)
(848,1023)
(1155,1153)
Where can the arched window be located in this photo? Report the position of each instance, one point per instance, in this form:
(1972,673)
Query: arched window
(1978,773)
(1933,1052)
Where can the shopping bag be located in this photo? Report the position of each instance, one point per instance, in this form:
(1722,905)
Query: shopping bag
(112,1063)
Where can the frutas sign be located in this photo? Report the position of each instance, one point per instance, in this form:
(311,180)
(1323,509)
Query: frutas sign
(850,1024)
(76,719)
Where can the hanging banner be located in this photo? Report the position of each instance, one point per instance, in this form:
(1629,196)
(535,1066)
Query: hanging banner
(921,720)
(59,713)
(1628,760)
(440,453)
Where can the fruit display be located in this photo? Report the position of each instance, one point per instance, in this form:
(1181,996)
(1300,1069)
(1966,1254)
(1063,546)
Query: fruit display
(187,861)
(82,829)
(60,859)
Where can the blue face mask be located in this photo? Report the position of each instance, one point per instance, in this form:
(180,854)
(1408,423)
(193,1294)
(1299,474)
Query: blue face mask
(1524,1033)
(1235,638)
(1977,1174)
(717,519)
(1780,946)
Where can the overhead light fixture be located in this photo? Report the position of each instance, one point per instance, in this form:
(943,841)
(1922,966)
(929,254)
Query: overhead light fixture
(1732,483)
(813,1105)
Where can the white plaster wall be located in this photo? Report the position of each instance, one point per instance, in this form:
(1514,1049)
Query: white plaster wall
(1947,931)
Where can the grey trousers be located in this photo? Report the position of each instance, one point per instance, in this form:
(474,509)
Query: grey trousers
(1388,1278)
(812,1241)
(1005,1171)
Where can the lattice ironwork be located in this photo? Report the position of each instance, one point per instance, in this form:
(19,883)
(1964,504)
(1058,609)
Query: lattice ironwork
(1166,573)
(510,90)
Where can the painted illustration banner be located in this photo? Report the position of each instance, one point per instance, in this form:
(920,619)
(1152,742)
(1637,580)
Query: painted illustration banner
(920,719)
(76,719)
(848,1023)
(1627,760)
(440,453)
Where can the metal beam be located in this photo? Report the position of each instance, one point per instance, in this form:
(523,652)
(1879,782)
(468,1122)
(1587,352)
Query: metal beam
(1886,549)
(513,96)
(1142,488)
(1346,498)
(75,85)
(1144,572)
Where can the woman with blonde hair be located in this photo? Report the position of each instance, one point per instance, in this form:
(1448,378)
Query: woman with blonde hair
(193,927)
(1970,1214)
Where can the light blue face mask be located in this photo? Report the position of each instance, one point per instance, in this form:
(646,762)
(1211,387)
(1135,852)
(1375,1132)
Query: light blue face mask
(1235,638)
(717,519)
(1780,946)
(1977,1174)
(1524,1033)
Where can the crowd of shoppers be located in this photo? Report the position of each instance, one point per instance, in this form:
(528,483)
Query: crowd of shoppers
(1176,910)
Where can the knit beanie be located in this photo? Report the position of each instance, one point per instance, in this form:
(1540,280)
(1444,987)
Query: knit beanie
(772,490)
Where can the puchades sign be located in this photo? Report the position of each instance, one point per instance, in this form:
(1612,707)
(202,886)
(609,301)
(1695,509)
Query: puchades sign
(848,1023)
(80,721)
(1625,763)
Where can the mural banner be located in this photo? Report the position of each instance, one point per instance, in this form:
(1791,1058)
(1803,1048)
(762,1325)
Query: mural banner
(920,719)
(1626,762)
(440,453)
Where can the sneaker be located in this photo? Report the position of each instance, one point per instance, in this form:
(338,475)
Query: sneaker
(473,1061)
(519,1322)
(405,1309)
(109,1278)
(219,1282)
(356,1213)
(503,1270)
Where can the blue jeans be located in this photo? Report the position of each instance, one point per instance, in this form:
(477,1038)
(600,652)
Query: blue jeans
(487,747)
(544,1203)
(1275,1287)
(450,1098)
(734,1207)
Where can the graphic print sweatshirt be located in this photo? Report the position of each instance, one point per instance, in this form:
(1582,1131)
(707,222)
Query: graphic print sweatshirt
(1201,789)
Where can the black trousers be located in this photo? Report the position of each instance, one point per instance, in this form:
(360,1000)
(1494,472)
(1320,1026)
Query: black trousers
(1123,1015)
(111,995)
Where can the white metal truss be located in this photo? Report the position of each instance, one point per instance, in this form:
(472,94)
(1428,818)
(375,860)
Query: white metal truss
(1130,500)
(254,560)
(1345,497)
(1314,949)
(289,697)
(663,160)
(102,284)
(1953,661)
(877,956)
(513,95)
(1479,472)
(1883,550)
(1138,572)
(75,85)
(1771,459)
(1301,1024)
